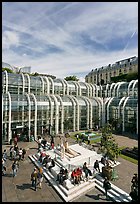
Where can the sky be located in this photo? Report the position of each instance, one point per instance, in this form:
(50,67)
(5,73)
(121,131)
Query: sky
(68,38)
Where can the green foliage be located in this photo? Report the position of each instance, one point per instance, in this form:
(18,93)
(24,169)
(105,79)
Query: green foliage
(7,69)
(132,76)
(129,159)
(108,145)
(125,77)
(121,77)
(71,78)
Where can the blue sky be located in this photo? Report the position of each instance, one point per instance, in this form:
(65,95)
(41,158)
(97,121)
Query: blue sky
(68,38)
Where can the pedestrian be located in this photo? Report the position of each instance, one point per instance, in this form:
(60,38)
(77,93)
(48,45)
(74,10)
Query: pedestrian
(15,140)
(52,164)
(14,154)
(40,177)
(11,152)
(15,167)
(3,167)
(23,153)
(4,156)
(134,182)
(52,141)
(96,166)
(106,185)
(77,137)
(20,153)
(39,142)
(16,149)
(34,178)
(88,140)
(134,195)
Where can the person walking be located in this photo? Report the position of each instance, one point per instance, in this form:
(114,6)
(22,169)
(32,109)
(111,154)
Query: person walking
(23,153)
(96,166)
(11,152)
(106,186)
(4,156)
(134,182)
(77,137)
(34,178)
(40,177)
(20,153)
(88,140)
(3,167)
(15,167)
(52,142)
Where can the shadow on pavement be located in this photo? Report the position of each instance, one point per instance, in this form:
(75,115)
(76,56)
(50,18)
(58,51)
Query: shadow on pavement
(8,175)
(96,197)
(24,186)
(33,148)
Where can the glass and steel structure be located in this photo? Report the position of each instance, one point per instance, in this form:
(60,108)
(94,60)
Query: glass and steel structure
(30,105)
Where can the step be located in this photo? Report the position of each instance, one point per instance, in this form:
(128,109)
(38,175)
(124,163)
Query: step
(116,195)
(122,194)
(70,194)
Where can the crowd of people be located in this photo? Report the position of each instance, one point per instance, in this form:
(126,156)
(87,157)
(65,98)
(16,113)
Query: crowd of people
(16,155)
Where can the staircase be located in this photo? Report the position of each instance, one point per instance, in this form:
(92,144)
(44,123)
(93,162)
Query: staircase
(117,194)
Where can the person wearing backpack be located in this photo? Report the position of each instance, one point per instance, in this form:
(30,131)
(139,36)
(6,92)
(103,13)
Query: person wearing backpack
(40,177)
(34,178)
(106,185)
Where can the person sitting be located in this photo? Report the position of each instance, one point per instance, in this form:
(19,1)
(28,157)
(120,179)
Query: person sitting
(52,164)
(103,161)
(96,166)
(46,160)
(65,175)
(60,175)
(79,174)
(44,142)
(74,177)
(86,170)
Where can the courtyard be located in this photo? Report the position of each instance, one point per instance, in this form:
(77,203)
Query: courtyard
(18,188)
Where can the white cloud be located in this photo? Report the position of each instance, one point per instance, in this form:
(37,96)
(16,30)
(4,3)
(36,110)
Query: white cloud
(9,38)
(61,26)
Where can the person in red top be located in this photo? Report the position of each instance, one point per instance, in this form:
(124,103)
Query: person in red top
(74,176)
(79,174)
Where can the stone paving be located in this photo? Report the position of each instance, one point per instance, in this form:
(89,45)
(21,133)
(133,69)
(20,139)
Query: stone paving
(19,189)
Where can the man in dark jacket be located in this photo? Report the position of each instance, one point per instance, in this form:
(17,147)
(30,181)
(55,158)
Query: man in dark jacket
(106,185)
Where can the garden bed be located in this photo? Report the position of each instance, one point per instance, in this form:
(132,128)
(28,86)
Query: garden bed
(131,152)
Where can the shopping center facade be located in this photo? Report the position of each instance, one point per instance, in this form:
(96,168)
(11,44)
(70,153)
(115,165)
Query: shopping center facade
(32,104)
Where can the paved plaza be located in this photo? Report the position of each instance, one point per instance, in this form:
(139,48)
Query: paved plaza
(18,189)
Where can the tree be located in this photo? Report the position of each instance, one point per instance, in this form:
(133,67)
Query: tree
(71,78)
(108,145)
(7,69)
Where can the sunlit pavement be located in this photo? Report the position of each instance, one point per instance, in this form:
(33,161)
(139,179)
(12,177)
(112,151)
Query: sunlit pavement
(18,189)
